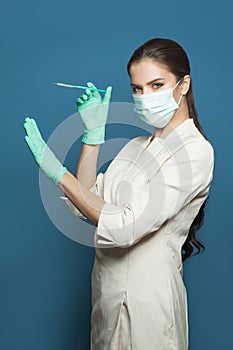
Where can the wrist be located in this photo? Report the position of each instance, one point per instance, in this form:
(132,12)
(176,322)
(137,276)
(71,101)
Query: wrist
(94,136)
(57,180)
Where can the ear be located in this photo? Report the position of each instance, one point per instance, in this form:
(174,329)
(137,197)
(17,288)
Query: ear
(185,84)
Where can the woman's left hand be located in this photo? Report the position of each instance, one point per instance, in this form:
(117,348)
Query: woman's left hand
(43,155)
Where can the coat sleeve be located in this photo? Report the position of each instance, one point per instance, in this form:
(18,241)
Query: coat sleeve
(97,189)
(185,175)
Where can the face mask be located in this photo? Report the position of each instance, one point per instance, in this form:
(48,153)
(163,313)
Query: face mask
(156,108)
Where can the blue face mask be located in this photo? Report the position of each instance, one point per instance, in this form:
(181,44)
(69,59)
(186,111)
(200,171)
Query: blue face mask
(156,108)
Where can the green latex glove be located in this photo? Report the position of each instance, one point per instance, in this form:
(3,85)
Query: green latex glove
(93,111)
(43,155)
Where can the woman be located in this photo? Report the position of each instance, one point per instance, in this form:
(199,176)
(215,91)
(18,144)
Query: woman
(147,206)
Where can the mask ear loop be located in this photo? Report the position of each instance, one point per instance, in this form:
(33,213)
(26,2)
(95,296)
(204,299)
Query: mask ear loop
(177,84)
(181,94)
(180,99)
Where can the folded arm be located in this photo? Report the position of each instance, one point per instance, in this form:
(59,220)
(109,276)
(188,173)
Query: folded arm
(89,204)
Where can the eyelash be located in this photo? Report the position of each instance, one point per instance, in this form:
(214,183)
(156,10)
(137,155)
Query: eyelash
(159,85)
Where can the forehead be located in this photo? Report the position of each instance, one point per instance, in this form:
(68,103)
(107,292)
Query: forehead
(147,69)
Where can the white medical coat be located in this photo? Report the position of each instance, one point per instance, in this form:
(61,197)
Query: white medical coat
(153,194)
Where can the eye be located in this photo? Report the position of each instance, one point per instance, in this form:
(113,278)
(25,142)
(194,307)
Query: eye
(157,85)
(136,89)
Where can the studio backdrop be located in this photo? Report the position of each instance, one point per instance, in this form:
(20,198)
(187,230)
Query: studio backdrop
(46,257)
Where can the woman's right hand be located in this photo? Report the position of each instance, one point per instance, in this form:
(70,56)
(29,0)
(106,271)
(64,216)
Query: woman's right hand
(93,111)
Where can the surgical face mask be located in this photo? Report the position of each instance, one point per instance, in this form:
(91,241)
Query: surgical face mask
(156,108)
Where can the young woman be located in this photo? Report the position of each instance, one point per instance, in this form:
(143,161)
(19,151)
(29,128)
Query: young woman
(147,206)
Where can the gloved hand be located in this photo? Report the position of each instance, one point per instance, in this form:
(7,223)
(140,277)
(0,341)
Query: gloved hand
(44,157)
(93,111)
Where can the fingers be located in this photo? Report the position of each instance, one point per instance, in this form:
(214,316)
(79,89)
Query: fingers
(27,119)
(88,95)
(107,95)
(79,102)
(95,93)
(36,132)
(34,138)
(27,126)
(30,143)
(82,100)
(32,130)
(84,97)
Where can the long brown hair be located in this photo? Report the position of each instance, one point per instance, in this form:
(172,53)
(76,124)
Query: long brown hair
(171,54)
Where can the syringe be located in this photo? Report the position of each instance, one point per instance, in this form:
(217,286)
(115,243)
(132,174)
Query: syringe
(79,87)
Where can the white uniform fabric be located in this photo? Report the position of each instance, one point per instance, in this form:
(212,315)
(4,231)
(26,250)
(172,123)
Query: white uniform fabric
(153,194)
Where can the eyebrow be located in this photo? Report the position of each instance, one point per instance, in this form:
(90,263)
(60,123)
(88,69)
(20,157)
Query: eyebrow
(150,82)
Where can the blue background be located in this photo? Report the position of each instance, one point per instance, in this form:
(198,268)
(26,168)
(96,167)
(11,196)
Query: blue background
(45,296)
